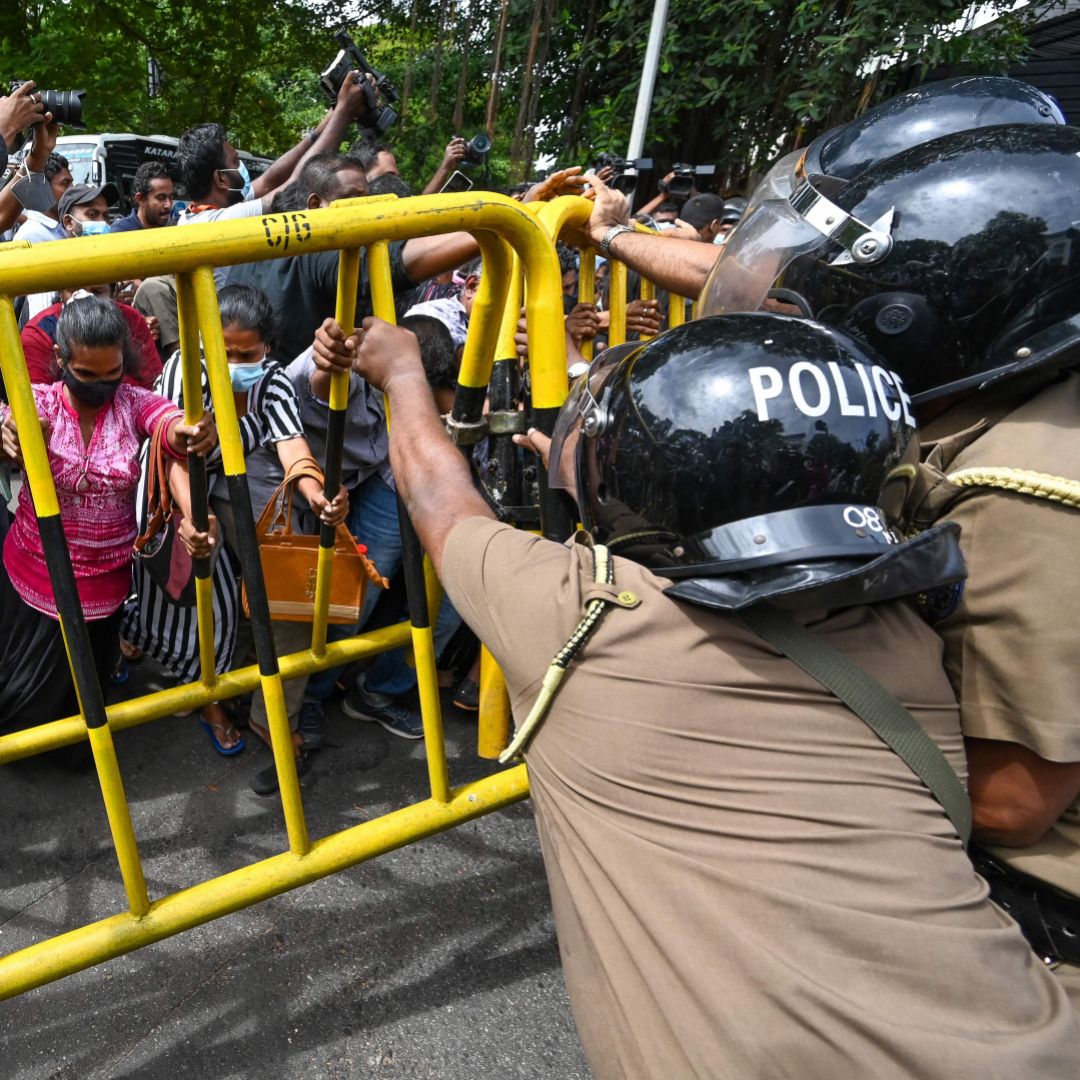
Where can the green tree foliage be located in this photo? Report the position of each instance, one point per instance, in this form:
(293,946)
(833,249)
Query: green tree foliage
(740,80)
(250,66)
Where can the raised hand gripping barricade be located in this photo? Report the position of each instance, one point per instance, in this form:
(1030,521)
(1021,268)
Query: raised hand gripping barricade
(555,216)
(499,224)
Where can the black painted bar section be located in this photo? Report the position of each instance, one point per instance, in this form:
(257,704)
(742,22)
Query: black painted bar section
(251,567)
(69,608)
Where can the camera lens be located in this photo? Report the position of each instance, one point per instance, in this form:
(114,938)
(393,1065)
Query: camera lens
(65,105)
(480,144)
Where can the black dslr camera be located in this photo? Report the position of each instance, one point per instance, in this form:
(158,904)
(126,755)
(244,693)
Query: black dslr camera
(685,180)
(380,117)
(66,106)
(624,173)
(477,150)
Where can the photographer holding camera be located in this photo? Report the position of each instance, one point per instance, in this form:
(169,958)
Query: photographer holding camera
(217,180)
(456,151)
(21,110)
(18,112)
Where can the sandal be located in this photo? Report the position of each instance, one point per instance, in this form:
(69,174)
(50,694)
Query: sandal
(224,728)
(131,652)
(467,696)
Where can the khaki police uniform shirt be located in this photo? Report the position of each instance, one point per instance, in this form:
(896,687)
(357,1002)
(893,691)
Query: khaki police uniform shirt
(746,882)
(1012,649)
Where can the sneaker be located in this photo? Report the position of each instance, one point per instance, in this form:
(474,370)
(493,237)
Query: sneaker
(310,724)
(265,781)
(397,718)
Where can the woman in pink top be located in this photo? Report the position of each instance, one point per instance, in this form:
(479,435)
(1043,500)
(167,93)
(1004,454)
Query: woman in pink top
(95,424)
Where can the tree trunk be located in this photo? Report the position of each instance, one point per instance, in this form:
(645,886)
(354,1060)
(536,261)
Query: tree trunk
(496,67)
(547,19)
(517,149)
(410,55)
(458,121)
(436,73)
(577,101)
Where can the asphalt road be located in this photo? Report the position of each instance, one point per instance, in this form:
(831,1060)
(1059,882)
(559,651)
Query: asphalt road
(435,961)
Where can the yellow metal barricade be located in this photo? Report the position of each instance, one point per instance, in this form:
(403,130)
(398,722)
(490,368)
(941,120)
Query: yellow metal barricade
(508,234)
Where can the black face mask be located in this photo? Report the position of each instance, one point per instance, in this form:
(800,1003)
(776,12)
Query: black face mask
(96,393)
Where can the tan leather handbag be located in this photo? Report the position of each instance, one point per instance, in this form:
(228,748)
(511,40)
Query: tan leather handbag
(162,552)
(290,560)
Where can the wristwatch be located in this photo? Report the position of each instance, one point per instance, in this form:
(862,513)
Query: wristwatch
(609,236)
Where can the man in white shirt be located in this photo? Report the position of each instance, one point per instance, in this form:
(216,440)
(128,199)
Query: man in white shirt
(39,227)
(217,180)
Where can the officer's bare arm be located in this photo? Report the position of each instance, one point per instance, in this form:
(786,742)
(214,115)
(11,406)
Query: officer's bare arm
(678,265)
(431,475)
(1016,796)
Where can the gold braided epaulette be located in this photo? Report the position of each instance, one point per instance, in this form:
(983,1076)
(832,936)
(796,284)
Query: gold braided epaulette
(1038,485)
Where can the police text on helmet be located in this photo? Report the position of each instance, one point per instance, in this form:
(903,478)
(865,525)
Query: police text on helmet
(811,391)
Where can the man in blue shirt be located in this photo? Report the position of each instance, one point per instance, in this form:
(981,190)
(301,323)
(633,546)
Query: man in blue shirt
(153,192)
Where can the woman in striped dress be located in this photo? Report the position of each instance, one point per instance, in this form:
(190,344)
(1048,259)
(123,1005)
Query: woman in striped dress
(269,415)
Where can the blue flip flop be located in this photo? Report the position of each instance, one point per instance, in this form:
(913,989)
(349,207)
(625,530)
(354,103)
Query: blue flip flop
(225,751)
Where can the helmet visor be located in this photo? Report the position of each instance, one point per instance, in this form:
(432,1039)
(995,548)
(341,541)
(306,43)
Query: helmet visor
(584,412)
(779,182)
(756,254)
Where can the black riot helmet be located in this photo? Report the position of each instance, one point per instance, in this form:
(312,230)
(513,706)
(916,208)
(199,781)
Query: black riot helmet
(928,112)
(750,456)
(958,261)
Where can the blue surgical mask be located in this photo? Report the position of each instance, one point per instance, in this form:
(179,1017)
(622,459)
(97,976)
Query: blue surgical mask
(245,376)
(93,228)
(245,191)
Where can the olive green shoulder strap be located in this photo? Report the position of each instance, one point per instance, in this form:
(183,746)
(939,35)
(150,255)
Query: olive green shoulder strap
(870,701)
(1038,485)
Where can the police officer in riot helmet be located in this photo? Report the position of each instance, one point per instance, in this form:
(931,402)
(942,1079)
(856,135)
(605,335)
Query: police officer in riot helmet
(738,863)
(835,158)
(954,260)
(958,260)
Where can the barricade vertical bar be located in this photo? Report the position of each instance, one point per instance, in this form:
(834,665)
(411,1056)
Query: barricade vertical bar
(232,457)
(412,559)
(587,290)
(493,722)
(345,314)
(676,310)
(648,292)
(191,360)
(69,608)
(547,348)
(506,347)
(617,302)
(487,339)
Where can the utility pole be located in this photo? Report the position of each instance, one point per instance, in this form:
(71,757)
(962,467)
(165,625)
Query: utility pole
(648,80)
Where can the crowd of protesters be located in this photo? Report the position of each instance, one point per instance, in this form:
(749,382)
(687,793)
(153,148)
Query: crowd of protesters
(270,312)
